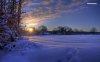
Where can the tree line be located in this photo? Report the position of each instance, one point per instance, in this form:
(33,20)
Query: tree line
(61,30)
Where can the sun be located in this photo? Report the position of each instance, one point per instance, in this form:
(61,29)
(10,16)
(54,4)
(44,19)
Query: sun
(30,30)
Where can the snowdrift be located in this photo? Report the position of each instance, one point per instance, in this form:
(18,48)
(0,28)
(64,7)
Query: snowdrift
(26,51)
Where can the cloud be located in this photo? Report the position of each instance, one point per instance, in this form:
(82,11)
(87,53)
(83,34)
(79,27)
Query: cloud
(39,10)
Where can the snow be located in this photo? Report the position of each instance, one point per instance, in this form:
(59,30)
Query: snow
(67,40)
(21,45)
(53,48)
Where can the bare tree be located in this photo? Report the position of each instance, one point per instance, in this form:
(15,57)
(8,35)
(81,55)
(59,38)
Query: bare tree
(93,30)
(42,29)
(10,14)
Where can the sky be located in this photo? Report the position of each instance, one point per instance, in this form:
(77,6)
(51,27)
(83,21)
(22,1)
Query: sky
(81,14)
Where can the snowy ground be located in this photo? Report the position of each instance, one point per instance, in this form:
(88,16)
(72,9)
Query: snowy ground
(53,48)
(67,40)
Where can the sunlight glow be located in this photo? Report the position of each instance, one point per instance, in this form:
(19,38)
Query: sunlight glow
(30,22)
(30,30)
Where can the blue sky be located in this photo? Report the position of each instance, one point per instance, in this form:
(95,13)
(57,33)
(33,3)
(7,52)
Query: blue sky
(82,19)
(73,13)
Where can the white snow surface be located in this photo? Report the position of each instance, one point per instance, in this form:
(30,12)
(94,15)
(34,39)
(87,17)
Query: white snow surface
(67,40)
(53,48)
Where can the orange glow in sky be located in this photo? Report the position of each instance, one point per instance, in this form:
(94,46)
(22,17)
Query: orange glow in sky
(30,30)
(30,22)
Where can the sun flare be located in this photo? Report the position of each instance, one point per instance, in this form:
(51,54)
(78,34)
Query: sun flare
(30,22)
(30,30)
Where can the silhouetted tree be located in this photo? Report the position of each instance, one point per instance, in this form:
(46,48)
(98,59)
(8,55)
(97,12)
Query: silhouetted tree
(10,13)
(76,30)
(42,29)
(54,31)
(69,29)
(61,30)
(93,30)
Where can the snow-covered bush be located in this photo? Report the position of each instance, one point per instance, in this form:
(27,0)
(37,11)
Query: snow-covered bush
(22,45)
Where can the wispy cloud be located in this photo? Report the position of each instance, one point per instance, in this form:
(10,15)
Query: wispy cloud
(92,3)
(40,10)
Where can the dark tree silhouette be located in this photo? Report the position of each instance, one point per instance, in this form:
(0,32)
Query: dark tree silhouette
(61,30)
(93,30)
(69,29)
(42,29)
(10,13)
(76,30)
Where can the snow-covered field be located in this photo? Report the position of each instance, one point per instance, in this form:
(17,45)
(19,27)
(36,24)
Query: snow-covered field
(54,48)
(67,40)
